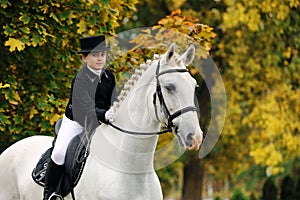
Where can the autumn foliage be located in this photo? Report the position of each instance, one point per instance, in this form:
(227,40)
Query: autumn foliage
(255,44)
(38,58)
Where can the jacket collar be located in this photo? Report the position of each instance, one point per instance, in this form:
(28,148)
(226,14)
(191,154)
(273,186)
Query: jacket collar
(97,72)
(92,75)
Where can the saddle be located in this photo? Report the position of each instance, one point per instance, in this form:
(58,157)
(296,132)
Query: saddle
(77,153)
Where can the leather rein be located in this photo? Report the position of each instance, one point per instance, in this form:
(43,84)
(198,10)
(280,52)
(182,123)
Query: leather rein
(170,117)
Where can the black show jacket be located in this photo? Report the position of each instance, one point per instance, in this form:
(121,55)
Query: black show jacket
(91,96)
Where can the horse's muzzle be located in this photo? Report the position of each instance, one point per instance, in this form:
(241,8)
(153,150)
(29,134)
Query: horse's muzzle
(195,140)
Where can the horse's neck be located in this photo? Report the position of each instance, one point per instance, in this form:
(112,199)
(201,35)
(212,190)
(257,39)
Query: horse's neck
(133,152)
(136,111)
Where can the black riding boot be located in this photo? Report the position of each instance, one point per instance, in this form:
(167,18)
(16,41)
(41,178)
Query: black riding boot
(53,175)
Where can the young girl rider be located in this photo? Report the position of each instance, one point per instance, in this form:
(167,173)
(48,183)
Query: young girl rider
(91,97)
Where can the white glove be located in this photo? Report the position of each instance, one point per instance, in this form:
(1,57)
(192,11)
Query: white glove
(109,115)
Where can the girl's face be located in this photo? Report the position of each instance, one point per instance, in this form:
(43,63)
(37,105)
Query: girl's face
(95,60)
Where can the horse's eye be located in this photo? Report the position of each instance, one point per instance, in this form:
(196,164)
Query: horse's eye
(170,87)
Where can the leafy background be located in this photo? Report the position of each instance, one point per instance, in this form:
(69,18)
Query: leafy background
(254,43)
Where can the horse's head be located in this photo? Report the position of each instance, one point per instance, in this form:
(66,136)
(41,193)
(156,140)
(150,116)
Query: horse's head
(175,93)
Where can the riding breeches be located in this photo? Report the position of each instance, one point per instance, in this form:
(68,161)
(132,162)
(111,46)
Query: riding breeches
(68,130)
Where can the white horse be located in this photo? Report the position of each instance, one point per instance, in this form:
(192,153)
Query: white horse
(120,165)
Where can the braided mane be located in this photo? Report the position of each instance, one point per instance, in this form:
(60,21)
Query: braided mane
(133,79)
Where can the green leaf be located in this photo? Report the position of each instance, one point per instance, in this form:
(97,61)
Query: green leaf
(40,17)
(36,40)
(45,125)
(4,3)
(25,18)
(3,118)
(91,20)
(41,104)
(104,2)
(51,98)
(77,3)
(64,15)
(17,119)
(8,30)
(25,30)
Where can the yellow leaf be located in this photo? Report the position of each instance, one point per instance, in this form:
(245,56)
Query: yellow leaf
(55,17)
(15,44)
(54,118)
(81,27)
(91,32)
(294,3)
(6,85)
(33,112)
(176,12)
(282,12)
(55,4)
(17,97)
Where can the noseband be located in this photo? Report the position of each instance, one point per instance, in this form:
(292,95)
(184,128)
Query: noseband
(158,93)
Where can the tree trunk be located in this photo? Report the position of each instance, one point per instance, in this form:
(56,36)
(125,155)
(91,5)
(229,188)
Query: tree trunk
(192,180)
(194,170)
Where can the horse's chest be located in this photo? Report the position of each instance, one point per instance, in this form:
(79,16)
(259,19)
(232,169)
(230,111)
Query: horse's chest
(112,185)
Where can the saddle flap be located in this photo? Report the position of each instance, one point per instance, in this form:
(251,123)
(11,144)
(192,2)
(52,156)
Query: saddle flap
(77,153)
(39,172)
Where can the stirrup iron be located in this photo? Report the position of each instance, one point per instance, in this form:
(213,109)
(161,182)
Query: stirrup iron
(55,196)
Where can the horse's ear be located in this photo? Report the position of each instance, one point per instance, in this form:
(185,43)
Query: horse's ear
(170,53)
(188,56)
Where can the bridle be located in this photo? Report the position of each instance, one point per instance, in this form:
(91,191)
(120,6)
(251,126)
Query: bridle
(170,117)
(158,93)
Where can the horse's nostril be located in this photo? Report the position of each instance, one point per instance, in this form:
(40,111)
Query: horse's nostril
(189,139)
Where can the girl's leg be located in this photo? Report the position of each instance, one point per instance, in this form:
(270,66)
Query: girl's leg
(68,130)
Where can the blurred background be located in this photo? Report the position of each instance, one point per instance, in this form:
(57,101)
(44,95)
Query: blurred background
(254,43)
